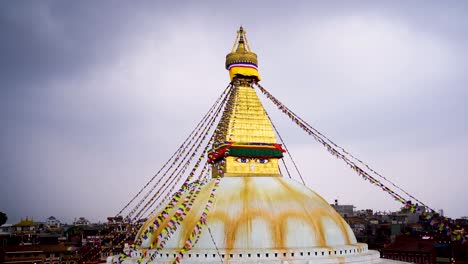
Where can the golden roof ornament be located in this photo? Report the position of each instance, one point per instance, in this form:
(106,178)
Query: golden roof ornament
(242,62)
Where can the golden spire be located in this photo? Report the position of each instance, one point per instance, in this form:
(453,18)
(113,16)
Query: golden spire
(242,61)
(245,142)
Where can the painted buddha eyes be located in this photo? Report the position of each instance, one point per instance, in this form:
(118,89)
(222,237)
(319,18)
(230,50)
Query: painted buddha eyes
(245,160)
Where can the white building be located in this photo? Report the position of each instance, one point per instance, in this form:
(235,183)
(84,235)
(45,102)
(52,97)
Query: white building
(81,222)
(6,229)
(53,222)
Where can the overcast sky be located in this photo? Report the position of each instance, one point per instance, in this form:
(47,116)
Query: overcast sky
(96,95)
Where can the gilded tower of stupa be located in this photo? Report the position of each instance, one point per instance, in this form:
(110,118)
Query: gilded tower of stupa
(256,215)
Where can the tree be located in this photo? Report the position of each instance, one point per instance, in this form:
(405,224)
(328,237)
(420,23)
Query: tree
(3,218)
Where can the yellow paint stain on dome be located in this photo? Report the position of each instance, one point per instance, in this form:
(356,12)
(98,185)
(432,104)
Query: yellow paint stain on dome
(145,226)
(153,239)
(282,222)
(241,201)
(276,223)
(193,216)
(319,212)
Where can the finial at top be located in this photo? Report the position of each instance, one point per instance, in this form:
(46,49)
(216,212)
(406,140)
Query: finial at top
(241,41)
(242,61)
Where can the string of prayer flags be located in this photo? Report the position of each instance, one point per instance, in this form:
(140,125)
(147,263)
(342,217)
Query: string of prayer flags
(199,136)
(196,232)
(330,147)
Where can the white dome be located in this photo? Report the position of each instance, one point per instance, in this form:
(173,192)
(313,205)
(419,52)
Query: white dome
(260,213)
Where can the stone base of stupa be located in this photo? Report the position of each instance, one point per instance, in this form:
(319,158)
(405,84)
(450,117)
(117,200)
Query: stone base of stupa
(357,253)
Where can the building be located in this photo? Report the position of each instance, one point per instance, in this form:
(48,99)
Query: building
(358,225)
(38,254)
(26,231)
(53,223)
(246,212)
(427,248)
(411,249)
(25,227)
(6,229)
(81,222)
(343,209)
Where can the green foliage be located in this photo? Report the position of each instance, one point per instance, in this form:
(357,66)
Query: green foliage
(74,230)
(3,218)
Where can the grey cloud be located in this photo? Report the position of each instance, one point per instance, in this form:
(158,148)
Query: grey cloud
(96,96)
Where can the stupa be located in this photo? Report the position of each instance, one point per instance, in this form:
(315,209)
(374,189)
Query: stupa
(249,212)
